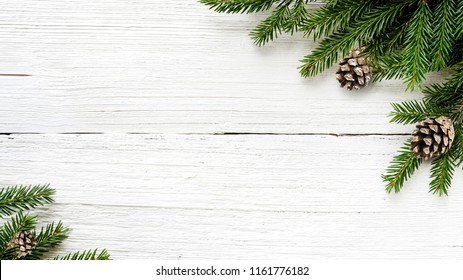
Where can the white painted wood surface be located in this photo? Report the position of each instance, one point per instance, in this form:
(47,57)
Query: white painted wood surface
(157,84)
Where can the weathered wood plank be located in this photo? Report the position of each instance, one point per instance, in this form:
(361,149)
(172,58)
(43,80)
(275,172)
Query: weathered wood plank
(235,196)
(167,67)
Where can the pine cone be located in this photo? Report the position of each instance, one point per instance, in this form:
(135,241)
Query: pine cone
(23,243)
(432,137)
(354,71)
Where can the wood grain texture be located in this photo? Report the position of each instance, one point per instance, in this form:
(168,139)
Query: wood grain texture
(177,67)
(297,173)
(235,196)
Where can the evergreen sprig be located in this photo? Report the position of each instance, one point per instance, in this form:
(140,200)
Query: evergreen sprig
(85,255)
(49,236)
(444,95)
(444,22)
(331,17)
(287,17)
(402,167)
(416,56)
(439,100)
(298,16)
(272,26)
(404,39)
(10,228)
(239,6)
(13,199)
(408,38)
(388,66)
(383,48)
(374,23)
(442,172)
(456,79)
(459,20)
(410,112)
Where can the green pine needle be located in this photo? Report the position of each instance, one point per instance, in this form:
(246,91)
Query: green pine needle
(444,29)
(272,26)
(334,17)
(410,112)
(374,23)
(457,144)
(85,255)
(442,170)
(459,20)
(401,168)
(238,6)
(416,53)
(298,16)
(383,47)
(456,79)
(389,67)
(49,236)
(443,96)
(17,198)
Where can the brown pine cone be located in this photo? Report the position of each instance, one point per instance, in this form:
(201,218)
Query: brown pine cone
(354,71)
(23,243)
(432,137)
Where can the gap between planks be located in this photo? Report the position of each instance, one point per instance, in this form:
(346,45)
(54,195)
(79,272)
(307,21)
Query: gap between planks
(15,75)
(215,133)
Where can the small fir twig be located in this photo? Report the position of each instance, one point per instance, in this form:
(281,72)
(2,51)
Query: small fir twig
(49,236)
(86,255)
(402,167)
(19,238)
(13,199)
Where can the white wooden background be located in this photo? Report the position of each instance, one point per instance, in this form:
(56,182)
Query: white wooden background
(168,135)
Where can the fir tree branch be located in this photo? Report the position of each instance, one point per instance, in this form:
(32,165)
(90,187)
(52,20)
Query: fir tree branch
(272,26)
(49,236)
(299,16)
(442,96)
(335,16)
(444,30)
(459,20)
(384,45)
(442,170)
(401,168)
(285,18)
(388,67)
(457,76)
(454,98)
(440,99)
(373,24)
(17,198)
(457,144)
(20,222)
(86,255)
(416,55)
(238,6)
(410,112)
(404,39)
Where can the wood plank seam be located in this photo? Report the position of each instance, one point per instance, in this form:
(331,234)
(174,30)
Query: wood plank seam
(215,133)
